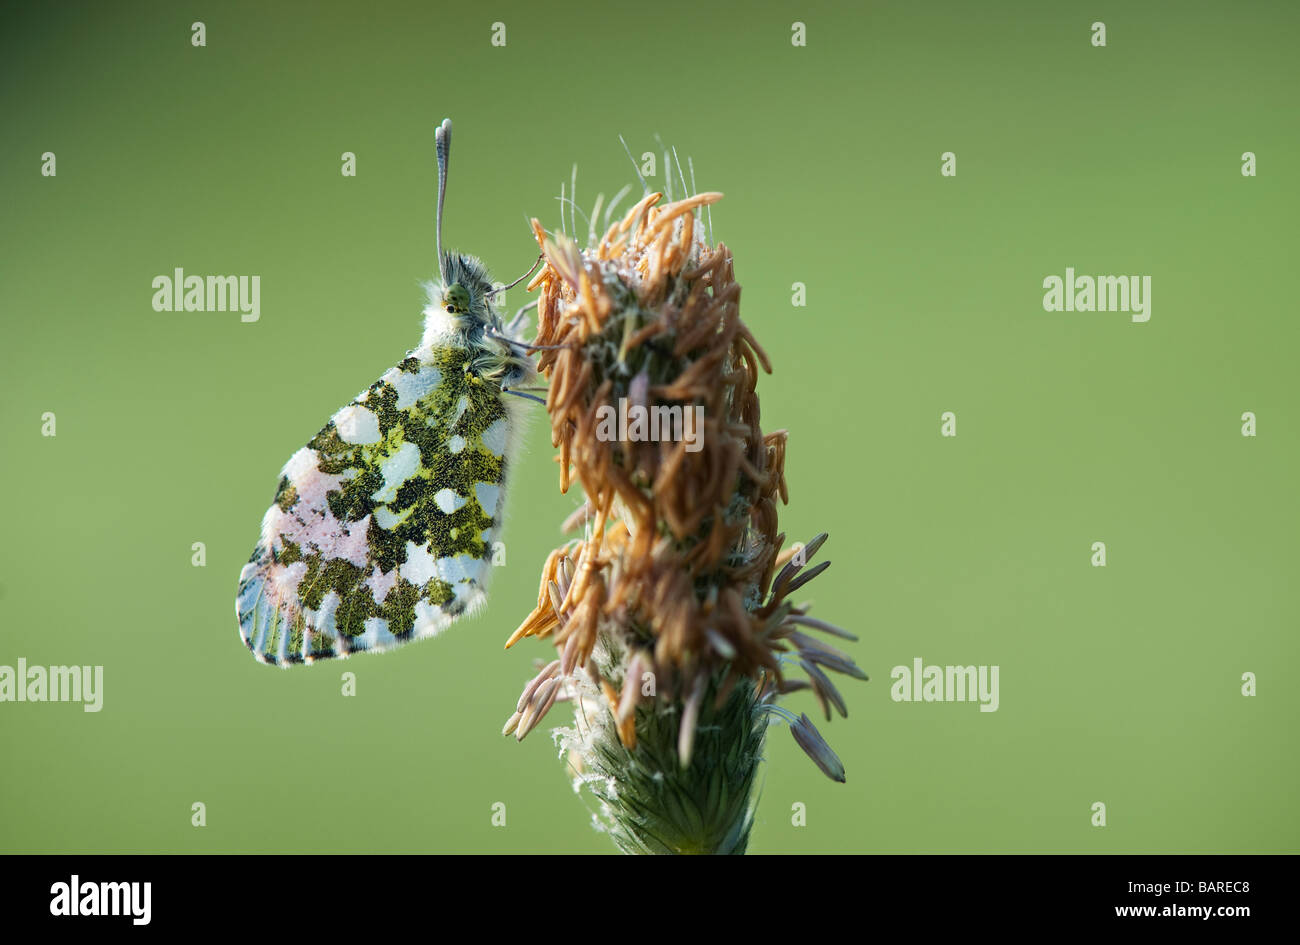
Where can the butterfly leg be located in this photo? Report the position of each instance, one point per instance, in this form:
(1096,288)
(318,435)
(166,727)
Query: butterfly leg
(515,322)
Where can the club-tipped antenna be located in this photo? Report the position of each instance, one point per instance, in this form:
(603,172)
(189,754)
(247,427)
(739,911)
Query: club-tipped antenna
(443,138)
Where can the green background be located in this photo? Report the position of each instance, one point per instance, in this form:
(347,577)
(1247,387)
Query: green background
(1118,684)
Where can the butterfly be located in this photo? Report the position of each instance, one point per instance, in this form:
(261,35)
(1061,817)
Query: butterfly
(383,526)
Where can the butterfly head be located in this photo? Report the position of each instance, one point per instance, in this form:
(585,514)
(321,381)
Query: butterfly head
(463,298)
(456,299)
(462,311)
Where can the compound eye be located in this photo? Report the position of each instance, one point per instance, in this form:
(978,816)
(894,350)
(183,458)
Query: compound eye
(456,299)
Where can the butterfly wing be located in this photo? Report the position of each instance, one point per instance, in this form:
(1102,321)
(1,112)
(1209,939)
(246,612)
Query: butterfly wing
(382,527)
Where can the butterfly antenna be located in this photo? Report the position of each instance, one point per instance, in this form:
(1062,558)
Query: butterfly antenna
(443,138)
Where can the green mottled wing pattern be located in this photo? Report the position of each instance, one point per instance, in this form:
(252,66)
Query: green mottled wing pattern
(383,526)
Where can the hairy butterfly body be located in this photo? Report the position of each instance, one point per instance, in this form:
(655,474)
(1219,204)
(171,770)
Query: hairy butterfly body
(383,525)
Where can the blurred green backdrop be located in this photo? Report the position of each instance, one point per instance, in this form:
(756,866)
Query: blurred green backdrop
(1118,684)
